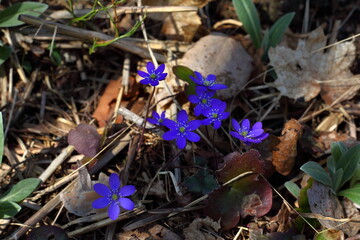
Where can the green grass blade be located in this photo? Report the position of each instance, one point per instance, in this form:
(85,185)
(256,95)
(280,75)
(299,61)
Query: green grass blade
(247,14)
(1,138)
(278,29)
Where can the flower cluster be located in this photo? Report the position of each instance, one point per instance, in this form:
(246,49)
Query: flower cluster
(114,197)
(206,105)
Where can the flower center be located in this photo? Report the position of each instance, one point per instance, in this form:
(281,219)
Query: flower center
(244,133)
(215,115)
(161,120)
(207,83)
(204,101)
(114,197)
(153,76)
(182,129)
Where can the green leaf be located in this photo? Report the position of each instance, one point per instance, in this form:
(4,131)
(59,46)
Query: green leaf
(348,163)
(337,150)
(336,180)
(277,30)
(317,172)
(331,165)
(9,209)
(352,193)
(9,17)
(4,53)
(184,74)
(1,138)
(21,190)
(356,178)
(201,182)
(247,14)
(292,188)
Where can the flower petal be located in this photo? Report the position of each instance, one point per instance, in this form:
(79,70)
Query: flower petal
(150,67)
(182,116)
(160,69)
(102,189)
(217,124)
(195,80)
(255,133)
(126,204)
(211,78)
(181,142)
(114,181)
(224,115)
(145,81)
(262,136)
(154,83)
(206,121)
(235,125)
(199,77)
(193,125)
(114,211)
(100,202)
(192,137)
(245,125)
(193,99)
(198,110)
(143,74)
(152,121)
(217,87)
(127,190)
(257,125)
(162,76)
(170,124)
(170,135)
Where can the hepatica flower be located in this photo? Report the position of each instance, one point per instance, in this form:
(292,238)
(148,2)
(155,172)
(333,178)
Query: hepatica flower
(246,134)
(182,129)
(114,197)
(152,76)
(157,119)
(208,82)
(215,114)
(203,99)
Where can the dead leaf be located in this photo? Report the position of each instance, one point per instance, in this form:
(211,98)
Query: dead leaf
(322,201)
(193,231)
(283,157)
(79,198)
(155,232)
(85,139)
(308,69)
(224,57)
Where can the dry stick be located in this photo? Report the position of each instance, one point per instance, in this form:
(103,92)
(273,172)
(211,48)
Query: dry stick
(88,35)
(64,14)
(4,86)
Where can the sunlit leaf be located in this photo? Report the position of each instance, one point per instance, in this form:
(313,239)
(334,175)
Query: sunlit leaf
(9,17)
(247,14)
(184,74)
(292,188)
(352,193)
(21,190)
(9,209)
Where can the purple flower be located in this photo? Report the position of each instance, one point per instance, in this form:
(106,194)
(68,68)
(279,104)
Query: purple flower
(243,132)
(182,129)
(208,82)
(114,196)
(203,99)
(215,114)
(157,119)
(153,76)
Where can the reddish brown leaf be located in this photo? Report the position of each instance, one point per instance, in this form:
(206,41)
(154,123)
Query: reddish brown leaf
(286,151)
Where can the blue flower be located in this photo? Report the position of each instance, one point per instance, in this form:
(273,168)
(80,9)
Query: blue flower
(215,114)
(157,119)
(203,99)
(243,132)
(153,76)
(114,196)
(208,82)
(182,129)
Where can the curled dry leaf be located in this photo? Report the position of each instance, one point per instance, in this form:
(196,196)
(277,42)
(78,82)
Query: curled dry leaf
(224,57)
(154,232)
(193,231)
(78,199)
(304,72)
(283,157)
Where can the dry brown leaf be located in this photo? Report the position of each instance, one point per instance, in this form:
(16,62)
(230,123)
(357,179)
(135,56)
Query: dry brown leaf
(224,57)
(283,157)
(193,231)
(181,26)
(306,71)
(155,232)
(323,202)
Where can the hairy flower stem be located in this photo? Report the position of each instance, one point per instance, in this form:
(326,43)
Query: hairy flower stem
(144,122)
